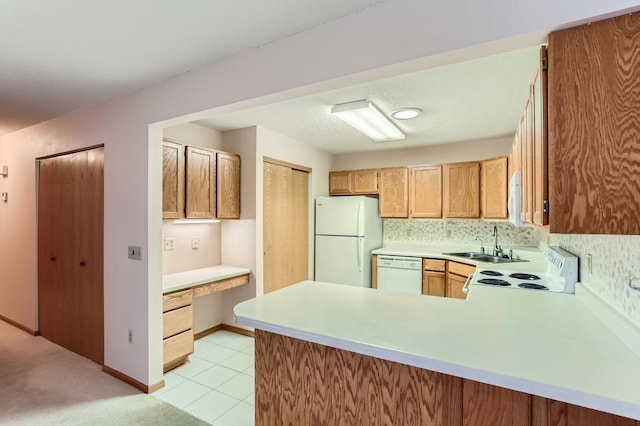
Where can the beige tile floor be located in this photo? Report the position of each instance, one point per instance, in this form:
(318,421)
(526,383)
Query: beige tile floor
(217,385)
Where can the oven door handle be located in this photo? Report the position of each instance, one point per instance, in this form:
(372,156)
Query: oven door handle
(467,283)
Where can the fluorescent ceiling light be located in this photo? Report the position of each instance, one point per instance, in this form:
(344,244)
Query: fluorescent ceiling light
(406,113)
(193,221)
(368,119)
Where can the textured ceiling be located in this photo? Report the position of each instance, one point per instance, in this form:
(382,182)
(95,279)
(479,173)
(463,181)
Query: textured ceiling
(62,55)
(472,100)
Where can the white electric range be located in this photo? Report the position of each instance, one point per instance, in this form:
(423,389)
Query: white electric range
(560,277)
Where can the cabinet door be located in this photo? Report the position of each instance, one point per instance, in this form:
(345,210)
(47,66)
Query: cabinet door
(425,191)
(433,283)
(526,162)
(340,183)
(454,286)
(594,81)
(228,186)
(365,181)
(172,180)
(394,191)
(462,189)
(539,149)
(201,183)
(494,188)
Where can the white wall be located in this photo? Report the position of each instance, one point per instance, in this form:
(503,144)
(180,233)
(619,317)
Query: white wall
(352,49)
(431,154)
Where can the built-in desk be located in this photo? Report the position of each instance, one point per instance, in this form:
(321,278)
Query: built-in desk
(179,290)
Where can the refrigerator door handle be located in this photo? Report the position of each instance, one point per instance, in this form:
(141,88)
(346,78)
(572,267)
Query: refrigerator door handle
(360,218)
(359,254)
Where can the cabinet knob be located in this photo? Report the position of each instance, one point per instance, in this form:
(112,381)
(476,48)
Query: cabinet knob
(53,259)
(83,263)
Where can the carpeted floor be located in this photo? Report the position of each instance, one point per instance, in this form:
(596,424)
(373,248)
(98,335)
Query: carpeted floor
(42,383)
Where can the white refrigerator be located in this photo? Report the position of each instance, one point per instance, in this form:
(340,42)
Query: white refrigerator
(348,228)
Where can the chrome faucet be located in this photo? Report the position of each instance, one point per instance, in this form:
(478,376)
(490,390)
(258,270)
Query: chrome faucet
(497,250)
(481,244)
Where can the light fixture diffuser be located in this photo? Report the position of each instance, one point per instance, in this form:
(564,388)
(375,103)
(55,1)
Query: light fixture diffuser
(368,119)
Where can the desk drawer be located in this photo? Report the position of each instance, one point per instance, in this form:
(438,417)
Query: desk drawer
(177,300)
(177,321)
(178,346)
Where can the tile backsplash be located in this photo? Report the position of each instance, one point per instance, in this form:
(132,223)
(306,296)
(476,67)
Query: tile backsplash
(614,260)
(433,231)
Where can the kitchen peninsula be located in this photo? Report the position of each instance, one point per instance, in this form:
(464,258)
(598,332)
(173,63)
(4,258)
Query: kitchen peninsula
(344,355)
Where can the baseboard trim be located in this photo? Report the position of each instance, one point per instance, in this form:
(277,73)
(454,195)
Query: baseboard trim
(207,332)
(20,326)
(131,381)
(239,330)
(227,327)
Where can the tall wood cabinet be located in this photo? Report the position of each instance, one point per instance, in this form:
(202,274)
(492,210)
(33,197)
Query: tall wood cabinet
(594,129)
(494,188)
(199,183)
(461,182)
(394,192)
(425,197)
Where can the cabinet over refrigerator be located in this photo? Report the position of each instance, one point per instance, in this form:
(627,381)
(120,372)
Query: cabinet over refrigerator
(347,230)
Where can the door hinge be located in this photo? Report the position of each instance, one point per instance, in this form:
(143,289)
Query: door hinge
(545,63)
(545,206)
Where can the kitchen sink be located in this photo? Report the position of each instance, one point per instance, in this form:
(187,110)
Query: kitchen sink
(483,257)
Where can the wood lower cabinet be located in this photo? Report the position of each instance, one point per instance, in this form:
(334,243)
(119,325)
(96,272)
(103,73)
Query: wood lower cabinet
(353,182)
(299,382)
(227,186)
(461,190)
(433,277)
(457,274)
(394,192)
(172,180)
(425,192)
(494,188)
(177,326)
(594,167)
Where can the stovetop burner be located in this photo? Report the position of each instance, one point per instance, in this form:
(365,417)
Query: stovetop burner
(491,273)
(494,281)
(533,286)
(524,276)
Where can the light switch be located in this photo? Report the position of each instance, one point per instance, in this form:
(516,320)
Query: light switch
(4,171)
(195,243)
(4,196)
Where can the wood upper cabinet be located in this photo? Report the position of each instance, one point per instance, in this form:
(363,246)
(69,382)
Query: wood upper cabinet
(349,182)
(425,191)
(200,183)
(461,192)
(494,188)
(594,153)
(526,163)
(394,191)
(228,185)
(340,183)
(539,171)
(172,180)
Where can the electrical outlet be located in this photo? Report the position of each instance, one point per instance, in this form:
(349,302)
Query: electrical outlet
(195,243)
(407,232)
(169,243)
(589,264)
(130,337)
(134,252)
(448,233)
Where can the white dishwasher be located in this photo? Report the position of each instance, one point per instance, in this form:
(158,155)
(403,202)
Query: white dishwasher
(400,273)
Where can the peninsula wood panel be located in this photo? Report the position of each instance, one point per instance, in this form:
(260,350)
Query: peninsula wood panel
(494,188)
(594,127)
(172,180)
(70,252)
(285,230)
(303,383)
(394,192)
(227,186)
(461,189)
(425,186)
(340,182)
(200,183)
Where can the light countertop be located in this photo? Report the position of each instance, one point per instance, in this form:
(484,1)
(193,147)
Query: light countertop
(535,259)
(546,344)
(187,279)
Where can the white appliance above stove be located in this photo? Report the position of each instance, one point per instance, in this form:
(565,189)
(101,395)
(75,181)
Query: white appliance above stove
(560,277)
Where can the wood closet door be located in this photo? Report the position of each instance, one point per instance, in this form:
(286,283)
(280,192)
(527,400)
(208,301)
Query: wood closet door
(285,226)
(70,252)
